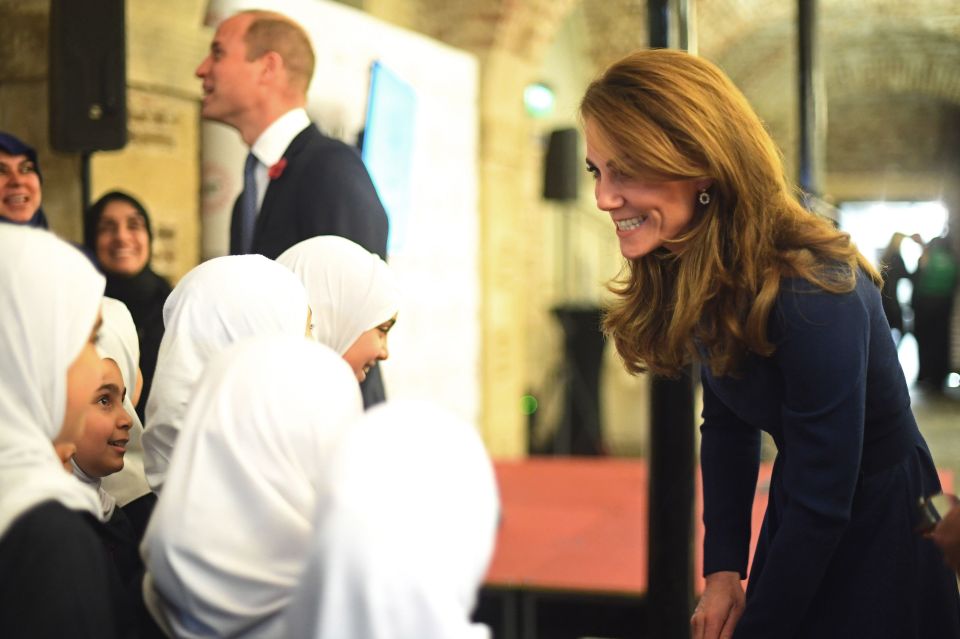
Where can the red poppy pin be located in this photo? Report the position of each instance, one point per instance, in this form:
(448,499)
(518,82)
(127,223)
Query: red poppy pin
(276,170)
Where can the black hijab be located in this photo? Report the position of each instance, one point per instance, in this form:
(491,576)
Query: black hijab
(12,145)
(143,293)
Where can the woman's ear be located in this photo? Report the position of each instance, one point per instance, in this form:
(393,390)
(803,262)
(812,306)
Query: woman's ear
(703,184)
(65,450)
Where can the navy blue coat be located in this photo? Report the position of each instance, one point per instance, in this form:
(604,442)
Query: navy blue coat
(324,189)
(837,554)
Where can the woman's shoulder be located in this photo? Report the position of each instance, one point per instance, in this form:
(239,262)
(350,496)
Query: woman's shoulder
(801,301)
(159,283)
(56,576)
(47,526)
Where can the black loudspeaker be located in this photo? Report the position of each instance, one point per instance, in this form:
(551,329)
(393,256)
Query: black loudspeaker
(88,75)
(561,166)
(579,430)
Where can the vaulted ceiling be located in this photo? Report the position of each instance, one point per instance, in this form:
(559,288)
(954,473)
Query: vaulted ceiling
(891,70)
(891,79)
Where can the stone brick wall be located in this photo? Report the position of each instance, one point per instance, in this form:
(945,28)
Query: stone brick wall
(160,164)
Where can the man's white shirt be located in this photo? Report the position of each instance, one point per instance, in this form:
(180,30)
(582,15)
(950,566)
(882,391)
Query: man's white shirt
(269,147)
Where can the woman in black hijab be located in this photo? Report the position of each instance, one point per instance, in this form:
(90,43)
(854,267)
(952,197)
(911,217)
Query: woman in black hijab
(20,183)
(116,230)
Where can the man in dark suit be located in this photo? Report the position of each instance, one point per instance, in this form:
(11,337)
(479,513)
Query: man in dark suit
(298,183)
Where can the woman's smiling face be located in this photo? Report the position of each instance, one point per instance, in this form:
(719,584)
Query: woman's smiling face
(123,244)
(646,212)
(20,193)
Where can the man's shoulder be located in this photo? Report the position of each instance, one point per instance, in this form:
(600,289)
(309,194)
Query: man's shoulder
(311,141)
(320,162)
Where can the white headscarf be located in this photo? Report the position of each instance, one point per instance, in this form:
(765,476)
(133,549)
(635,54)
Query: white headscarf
(216,304)
(228,539)
(406,525)
(351,290)
(118,341)
(49,298)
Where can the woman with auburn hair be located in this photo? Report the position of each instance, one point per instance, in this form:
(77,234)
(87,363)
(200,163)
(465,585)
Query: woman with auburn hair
(725,267)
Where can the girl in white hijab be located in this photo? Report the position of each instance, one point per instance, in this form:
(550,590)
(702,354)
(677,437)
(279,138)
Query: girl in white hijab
(405,528)
(117,341)
(353,295)
(55,574)
(103,453)
(216,304)
(228,539)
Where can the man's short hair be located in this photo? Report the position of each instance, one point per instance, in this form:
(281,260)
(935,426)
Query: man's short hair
(271,31)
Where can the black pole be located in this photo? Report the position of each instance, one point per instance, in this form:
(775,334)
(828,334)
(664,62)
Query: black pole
(671,461)
(669,548)
(807,71)
(658,23)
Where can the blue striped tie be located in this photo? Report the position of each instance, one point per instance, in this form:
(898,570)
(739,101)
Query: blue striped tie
(248,204)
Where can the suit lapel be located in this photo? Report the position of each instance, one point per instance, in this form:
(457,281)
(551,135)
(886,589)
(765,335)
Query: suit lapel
(276,186)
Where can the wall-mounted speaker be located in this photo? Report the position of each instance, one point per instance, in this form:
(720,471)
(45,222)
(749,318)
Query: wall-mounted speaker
(88,75)
(561,166)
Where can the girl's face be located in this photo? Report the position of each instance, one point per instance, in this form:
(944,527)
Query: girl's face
(646,212)
(100,450)
(83,378)
(123,246)
(368,349)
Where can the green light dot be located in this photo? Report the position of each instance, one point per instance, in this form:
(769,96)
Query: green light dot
(538,99)
(528,404)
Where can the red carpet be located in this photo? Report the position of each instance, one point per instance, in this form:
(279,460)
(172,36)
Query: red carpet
(580,524)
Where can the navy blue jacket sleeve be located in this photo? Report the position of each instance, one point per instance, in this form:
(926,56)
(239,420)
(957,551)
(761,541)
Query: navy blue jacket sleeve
(822,356)
(729,462)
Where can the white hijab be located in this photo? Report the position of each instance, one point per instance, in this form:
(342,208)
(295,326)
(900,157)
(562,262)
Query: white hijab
(351,290)
(405,529)
(229,536)
(118,341)
(216,304)
(49,298)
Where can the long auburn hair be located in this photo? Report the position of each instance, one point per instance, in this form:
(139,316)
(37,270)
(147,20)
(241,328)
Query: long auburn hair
(677,116)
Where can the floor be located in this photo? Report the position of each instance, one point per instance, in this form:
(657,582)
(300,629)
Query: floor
(938,414)
(939,419)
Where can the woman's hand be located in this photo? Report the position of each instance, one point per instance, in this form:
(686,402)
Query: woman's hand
(720,607)
(947,535)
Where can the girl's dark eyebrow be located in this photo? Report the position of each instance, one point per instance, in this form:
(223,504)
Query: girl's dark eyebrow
(110,388)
